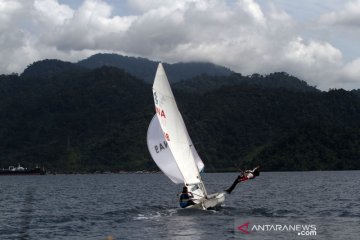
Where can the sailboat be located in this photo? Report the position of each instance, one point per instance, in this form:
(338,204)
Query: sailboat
(171,147)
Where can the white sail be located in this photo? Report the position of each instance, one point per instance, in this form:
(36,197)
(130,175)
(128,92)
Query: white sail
(174,129)
(176,156)
(161,154)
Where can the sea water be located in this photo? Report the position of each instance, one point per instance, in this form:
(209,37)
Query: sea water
(283,205)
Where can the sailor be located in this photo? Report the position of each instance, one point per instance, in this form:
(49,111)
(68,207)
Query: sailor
(248,174)
(185,198)
(244,176)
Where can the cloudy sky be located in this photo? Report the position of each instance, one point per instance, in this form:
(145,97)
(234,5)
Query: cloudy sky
(315,40)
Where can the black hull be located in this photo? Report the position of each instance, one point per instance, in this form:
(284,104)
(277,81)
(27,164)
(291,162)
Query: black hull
(36,171)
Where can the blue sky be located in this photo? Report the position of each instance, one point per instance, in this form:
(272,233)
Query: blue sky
(314,40)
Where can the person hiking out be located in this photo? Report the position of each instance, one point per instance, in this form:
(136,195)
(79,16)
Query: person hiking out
(244,176)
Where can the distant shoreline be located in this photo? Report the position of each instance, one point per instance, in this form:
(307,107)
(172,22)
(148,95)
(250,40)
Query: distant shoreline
(159,172)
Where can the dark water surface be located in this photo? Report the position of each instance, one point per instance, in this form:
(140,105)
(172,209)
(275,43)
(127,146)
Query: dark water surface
(144,206)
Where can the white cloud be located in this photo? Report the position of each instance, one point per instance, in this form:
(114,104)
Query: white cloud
(316,62)
(8,9)
(351,70)
(347,16)
(51,12)
(312,53)
(242,35)
(254,10)
(91,27)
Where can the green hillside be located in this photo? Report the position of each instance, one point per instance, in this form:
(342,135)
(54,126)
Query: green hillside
(71,118)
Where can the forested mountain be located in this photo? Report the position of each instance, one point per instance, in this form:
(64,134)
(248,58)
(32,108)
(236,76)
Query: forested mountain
(280,80)
(49,68)
(279,129)
(145,69)
(356,91)
(74,118)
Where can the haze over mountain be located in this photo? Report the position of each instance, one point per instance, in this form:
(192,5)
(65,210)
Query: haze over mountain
(76,117)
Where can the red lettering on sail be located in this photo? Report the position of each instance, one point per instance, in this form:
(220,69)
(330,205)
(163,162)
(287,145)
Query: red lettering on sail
(167,137)
(160,112)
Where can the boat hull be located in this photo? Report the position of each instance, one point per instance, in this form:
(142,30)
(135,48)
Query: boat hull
(212,201)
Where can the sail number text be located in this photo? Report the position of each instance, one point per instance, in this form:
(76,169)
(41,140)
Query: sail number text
(160,112)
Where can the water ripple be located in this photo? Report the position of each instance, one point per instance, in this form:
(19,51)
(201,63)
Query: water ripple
(127,206)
